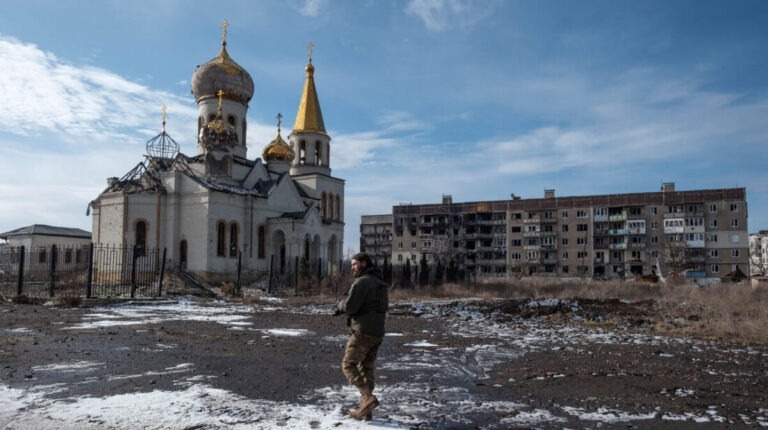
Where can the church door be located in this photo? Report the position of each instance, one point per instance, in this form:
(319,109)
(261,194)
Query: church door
(282,258)
(183,254)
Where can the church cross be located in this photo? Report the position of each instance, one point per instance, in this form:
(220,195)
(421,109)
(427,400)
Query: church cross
(310,50)
(279,120)
(224,26)
(163,117)
(220,93)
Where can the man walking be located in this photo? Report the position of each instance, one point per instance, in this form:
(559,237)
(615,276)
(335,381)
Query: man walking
(366,306)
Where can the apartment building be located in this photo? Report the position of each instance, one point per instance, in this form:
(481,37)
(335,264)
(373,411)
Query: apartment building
(699,233)
(376,237)
(758,253)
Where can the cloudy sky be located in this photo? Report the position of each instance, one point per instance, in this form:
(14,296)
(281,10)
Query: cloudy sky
(477,99)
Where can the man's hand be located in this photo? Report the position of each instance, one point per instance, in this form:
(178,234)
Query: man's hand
(337,312)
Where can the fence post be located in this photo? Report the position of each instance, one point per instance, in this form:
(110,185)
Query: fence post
(239,268)
(89,279)
(52,270)
(271,274)
(134,257)
(20,284)
(295,276)
(162,274)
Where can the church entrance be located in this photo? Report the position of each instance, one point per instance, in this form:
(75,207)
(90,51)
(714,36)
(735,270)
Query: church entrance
(183,254)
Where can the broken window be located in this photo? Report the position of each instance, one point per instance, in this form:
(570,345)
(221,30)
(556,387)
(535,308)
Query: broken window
(221,240)
(233,236)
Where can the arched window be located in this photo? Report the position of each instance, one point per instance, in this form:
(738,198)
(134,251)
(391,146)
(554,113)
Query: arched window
(328,155)
(140,237)
(221,239)
(302,152)
(231,120)
(245,127)
(211,117)
(338,207)
(325,206)
(234,230)
(262,245)
(319,153)
(199,124)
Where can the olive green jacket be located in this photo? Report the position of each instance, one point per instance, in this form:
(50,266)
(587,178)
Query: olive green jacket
(366,303)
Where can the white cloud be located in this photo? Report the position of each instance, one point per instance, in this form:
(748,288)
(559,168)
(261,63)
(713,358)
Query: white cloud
(439,15)
(310,7)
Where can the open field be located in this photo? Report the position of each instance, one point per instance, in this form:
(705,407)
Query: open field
(451,363)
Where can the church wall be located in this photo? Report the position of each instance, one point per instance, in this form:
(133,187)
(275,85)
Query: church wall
(108,219)
(142,207)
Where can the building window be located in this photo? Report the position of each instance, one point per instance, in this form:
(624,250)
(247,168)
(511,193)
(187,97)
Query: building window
(325,206)
(231,120)
(715,268)
(581,214)
(67,256)
(140,239)
(565,214)
(654,210)
(516,242)
(565,255)
(654,239)
(713,208)
(581,240)
(581,254)
(565,241)
(734,253)
(221,239)
(734,222)
(234,229)
(714,253)
(564,227)
(654,225)
(635,211)
(318,154)
(713,238)
(565,269)
(713,223)
(582,227)
(734,207)
(261,242)
(338,207)
(42,256)
(399,257)
(413,245)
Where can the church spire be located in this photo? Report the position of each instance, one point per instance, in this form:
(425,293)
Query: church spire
(309,117)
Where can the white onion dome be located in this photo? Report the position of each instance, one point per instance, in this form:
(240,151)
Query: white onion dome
(222,73)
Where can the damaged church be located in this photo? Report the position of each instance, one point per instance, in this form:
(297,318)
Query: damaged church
(216,207)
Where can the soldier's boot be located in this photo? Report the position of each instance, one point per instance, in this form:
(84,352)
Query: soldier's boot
(367,403)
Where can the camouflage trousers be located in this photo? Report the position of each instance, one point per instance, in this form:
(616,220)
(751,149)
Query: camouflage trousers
(359,357)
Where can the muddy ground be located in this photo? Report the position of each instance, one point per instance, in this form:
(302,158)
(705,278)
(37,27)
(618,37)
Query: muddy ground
(198,364)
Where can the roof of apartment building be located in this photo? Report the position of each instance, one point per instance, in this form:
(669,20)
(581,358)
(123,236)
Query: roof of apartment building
(628,199)
(46,230)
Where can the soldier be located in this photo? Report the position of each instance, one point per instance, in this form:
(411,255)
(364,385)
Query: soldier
(366,306)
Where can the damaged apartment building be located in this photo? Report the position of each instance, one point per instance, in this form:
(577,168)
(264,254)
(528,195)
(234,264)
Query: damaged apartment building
(699,234)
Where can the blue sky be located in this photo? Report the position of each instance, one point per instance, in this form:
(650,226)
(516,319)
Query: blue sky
(477,99)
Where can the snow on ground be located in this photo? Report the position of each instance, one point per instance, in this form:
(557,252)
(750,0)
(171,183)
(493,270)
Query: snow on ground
(197,403)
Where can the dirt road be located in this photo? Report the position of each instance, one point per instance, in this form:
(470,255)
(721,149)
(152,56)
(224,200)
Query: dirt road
(199,364)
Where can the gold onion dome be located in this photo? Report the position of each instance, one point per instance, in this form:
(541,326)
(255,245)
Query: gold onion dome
(278,150)
(218,133)
(222,73)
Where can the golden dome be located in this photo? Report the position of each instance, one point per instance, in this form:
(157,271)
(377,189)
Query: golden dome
(278,150)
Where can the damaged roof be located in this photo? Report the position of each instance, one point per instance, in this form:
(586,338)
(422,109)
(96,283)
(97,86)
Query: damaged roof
(46,230)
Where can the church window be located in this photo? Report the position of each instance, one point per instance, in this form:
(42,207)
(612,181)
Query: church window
(302,152)
(338,208)
(199,124)
(244,128)
(231,120)
(261,244)
(233,233)
(42,256)
(318,153)
(211,117)
(328,155)
(140,237)
(67,256)
(221,245)
(325,206)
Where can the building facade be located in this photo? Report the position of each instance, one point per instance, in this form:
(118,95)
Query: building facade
(376,237)
(698,234)
(758,253)
(217,207)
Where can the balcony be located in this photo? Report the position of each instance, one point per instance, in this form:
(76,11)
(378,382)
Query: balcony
(622,217)
(636,245)
(599,218)
(549,246)
(696,229)
(674,215)
(492,222)
(601,261)
(531,247)
(470,235)
(674,230)
(618,232)
(600,246)
(531,221)
(548,220)
(549,261)
(695,259)
(531,233)
(549,233)
(695,243)
(636,231)
(501,261)
(617,246)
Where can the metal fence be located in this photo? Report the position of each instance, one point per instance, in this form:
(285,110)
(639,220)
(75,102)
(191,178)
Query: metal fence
(294,276)
(81,271)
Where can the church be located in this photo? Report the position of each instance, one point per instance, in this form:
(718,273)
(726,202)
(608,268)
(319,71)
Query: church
(216,207)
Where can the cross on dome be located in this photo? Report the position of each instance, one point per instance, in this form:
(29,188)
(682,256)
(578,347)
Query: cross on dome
(224,26)
(310,45)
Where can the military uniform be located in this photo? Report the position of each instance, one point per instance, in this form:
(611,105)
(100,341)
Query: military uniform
(366,306)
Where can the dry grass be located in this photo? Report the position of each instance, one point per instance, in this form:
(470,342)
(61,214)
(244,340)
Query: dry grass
(734,312)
